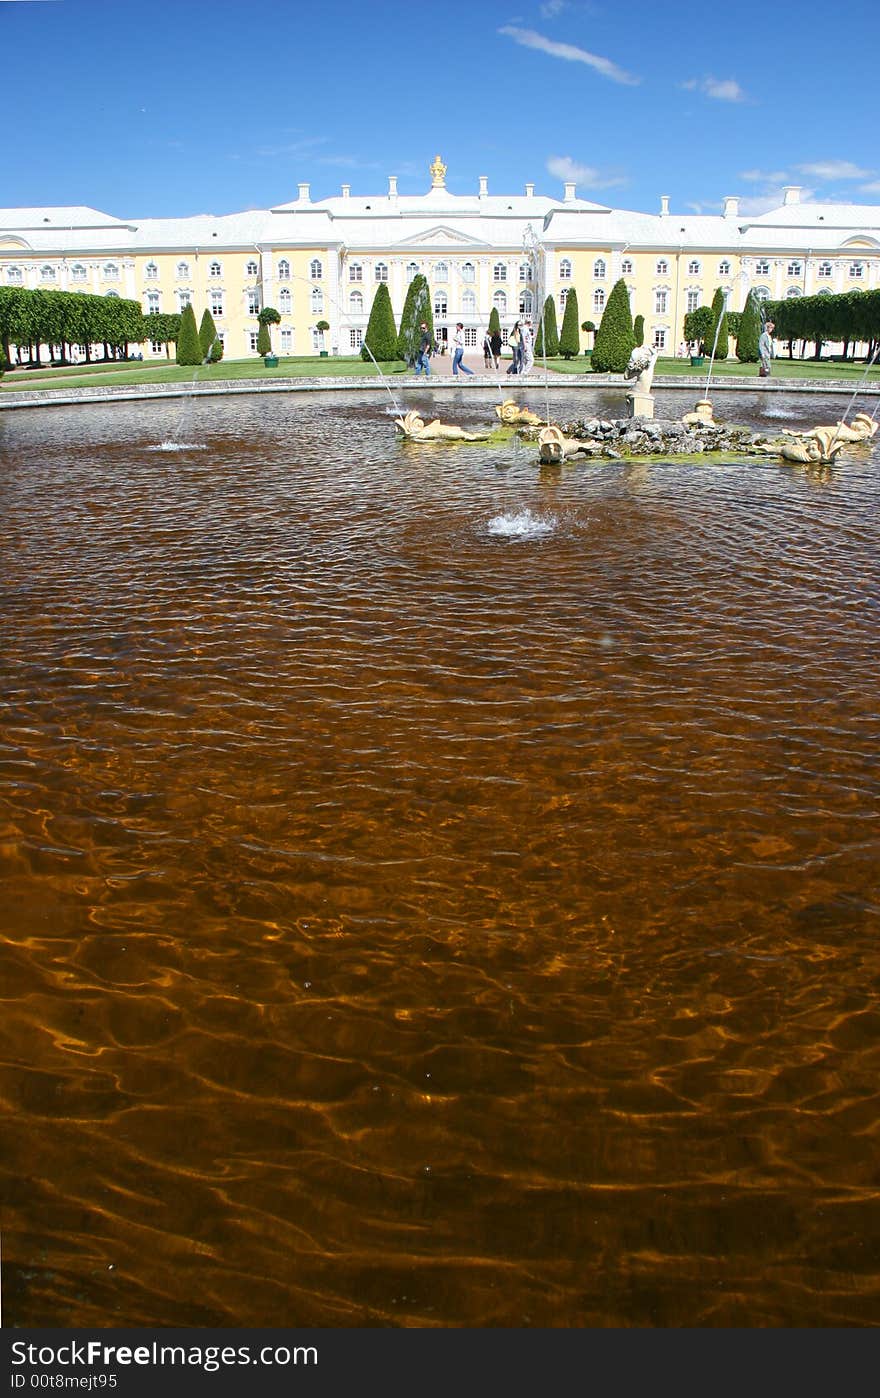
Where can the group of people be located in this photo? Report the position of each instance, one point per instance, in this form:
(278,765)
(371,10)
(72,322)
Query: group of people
(521,341)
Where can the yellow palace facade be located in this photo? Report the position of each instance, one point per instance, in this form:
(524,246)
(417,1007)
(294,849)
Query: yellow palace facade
(319,262)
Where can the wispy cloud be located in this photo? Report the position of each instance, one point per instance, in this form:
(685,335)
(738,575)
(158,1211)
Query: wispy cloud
(721,89)
(530,39)
(764,176)
(551,8)
(834,170)
(566,169)
(873,187)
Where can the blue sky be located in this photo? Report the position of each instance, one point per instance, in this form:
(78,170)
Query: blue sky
(197,106)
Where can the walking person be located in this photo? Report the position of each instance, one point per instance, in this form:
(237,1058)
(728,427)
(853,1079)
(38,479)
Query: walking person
(495,346)
(487,350)
(422,360)
(765,349)
(458,357)
(513,340)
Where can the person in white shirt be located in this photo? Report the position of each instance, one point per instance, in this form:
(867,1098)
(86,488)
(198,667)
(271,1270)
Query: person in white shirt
(458,357)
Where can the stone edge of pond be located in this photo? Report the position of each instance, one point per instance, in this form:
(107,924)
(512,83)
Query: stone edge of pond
(116,393)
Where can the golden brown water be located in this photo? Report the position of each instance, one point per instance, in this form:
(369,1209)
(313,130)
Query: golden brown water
(436,892)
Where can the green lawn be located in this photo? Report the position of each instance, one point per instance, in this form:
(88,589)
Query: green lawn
(134,372)
(783,368)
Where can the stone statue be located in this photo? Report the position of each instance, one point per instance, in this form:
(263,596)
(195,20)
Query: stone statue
(861,429)
(808,452)
(510,413)
(415,429)
(642,363)
(554,447)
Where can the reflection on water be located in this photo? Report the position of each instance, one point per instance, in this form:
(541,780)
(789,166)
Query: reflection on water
(437,891)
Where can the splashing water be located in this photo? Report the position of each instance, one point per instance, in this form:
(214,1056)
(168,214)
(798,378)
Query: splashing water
(179,446)
(522,525)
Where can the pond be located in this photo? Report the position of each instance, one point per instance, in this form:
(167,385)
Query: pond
(438,891)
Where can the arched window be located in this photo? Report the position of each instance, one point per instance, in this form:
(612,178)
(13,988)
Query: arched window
(151,272)
(283,270)
(525,271)
(662,267)
(661,301)
(316,271)
(794,269)
(355,272)
(112,295)
(182,270)
(499,272)
(284,303)
(14,276)
(356,303)
(563,297)
(761,293)
(467,272)
(47,273)
(111,272)
(215,270)
(825,269)
(441,272)
(216,303)
(440,303)
(469,303)
(78,272)
(412,271)
(526,303)
(499,301)
(723,268)
(381,271)
(565,270)
(626,267)
(598,299)
(857,269)
(792,293)
(762,269)
(694,268)
(151,303)
(317,301)
(184,299)
(599,268)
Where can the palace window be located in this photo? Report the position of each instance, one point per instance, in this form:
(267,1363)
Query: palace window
(441,272)
(316,271)
(381,272)
(356,303)
(694,268)
(626,267)
(215,270)
(184,299)
(470,338)
(151,303)
(251,269)
(662,267)
(499,301)
(693,300)
(356,338)
(762,269)
(252,337)
(441,305)
(565,270)
(499,272)
(824,269)
(78,272)
(355,272)
(111,272)
(216,303)
(151,272)
(525,272)
(724,268)
(253,303)
(284,301)
(794,269)
(792,293)
(469,303)
(599,268)
(661,302)
(112,295)
(598,299)
(856,269)
(318,339)
(467,272)
(182,270)
(526,303)
(317,301)
(761,293)
(284,270)
(286,340)
(659,339)
(47,273)
(14,276)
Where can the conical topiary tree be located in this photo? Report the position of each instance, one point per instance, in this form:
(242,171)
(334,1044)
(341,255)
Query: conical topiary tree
(380,341)
(639,331)
(264,340)
(547,343)
(749,330)
(719,327)
(189,349)
(207,333)
(569,336)
(494,321)
(615,341)
(416,308)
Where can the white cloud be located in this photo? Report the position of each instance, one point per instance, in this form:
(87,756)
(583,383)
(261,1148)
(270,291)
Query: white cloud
(566,169)
(872,188)
(551,8)
(722,89)
(765,176)
(532,40)
(834,170)
(770,199)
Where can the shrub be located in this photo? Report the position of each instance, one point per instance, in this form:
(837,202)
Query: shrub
(189,349)
(494,321)
(719,326)
(264,340)
(615,341)
(380,341)
(749,330)
(697,327)
(416,308)
(207,333)
(547,343)
(569,338)
(215,353)
(639,330)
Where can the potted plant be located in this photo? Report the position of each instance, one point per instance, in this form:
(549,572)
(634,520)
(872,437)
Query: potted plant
(590,328)
(268,316)
(323,326)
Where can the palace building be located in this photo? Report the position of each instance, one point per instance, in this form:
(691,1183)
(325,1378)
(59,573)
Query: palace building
(321,261)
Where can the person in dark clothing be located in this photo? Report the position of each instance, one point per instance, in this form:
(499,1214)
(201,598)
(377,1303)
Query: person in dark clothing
(425,347)
(495,344)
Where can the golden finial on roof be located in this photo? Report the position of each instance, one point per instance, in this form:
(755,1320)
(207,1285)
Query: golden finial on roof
(438,174)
